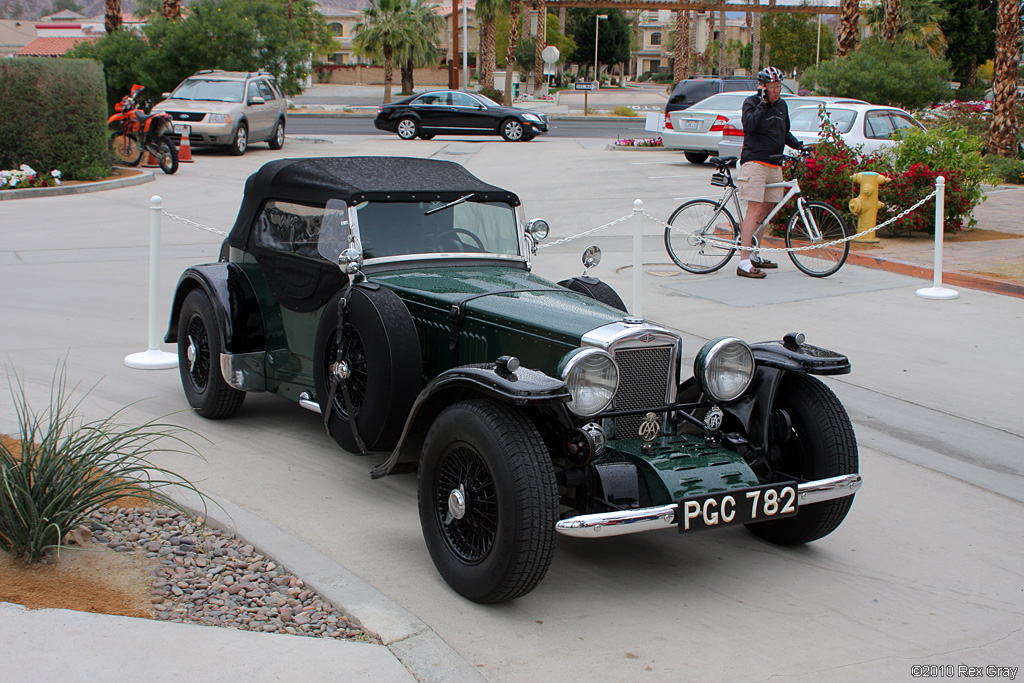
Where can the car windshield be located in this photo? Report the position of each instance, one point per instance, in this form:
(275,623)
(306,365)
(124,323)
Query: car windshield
(805,119)
(486,100)
(209,90)
(388,229)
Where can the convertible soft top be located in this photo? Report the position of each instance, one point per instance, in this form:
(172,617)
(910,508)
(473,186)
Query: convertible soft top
(315,180)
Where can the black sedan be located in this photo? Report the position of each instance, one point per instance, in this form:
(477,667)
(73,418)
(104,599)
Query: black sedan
(453,112)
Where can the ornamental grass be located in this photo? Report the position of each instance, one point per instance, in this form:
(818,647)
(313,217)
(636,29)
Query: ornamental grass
(68,466)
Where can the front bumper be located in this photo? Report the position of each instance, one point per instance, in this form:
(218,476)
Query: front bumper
(623,522)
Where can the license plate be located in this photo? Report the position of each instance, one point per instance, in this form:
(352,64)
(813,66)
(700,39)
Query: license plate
(756,504)
(691,124)
(180,129)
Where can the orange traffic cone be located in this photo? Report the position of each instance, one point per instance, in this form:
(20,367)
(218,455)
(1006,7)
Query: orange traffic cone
(185,150)
(149,161)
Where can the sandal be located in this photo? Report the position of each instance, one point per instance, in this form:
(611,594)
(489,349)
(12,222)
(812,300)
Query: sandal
(755,273)
(763,263)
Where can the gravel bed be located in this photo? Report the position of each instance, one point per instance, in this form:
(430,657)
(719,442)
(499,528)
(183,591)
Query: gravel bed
(207,576)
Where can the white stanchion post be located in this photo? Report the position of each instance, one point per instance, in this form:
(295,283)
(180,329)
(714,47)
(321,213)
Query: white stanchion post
(638,258)
(153,358)
(937,291)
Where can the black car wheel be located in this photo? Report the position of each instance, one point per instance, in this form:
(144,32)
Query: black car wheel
(166,155)
(595,289)
(277,141)
(240,143)
(488,501)
(817,442)
(407,128)
(382,349)
(199,348)
(512,130)
(696,157)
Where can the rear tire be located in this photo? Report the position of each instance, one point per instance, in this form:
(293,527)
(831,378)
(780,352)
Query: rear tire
(824,261)
(820,444)
(407,128)
(697,241)
(166,155)
(277,140)
(199,348)
(696,157)
(488,501)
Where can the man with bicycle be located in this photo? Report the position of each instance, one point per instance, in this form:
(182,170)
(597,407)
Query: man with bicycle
(765,137)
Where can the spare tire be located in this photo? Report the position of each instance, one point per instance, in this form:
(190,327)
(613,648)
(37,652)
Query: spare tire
(382,349)
(595,289)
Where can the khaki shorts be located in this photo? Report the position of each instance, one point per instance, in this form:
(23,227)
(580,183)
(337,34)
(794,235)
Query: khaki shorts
(753,178)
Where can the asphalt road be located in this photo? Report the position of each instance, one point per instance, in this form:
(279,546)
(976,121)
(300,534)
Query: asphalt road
(926,570)
(350,125)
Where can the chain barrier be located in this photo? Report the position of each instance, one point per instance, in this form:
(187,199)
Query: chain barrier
(193,223)
(584,234)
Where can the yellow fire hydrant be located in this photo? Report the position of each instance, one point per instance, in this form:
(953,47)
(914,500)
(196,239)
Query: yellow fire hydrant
(866,205)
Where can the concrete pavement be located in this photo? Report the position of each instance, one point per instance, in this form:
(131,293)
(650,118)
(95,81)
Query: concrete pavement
(904,581)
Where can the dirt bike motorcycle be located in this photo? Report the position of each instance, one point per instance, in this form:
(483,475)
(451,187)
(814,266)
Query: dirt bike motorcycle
(136,132)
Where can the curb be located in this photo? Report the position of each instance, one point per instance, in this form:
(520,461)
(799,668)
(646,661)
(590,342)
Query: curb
(423,653)
(984,283)
(60,190)
(630,148)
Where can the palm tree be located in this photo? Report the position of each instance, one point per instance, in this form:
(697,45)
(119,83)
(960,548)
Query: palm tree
(424,24)
(890,27)
(384,25)
(486,12)
(172,10)
(681,46)
(755,40)
(1002,135)
(918,24)
(513,38)
(849,18)
(112,12)
(540,43)
(721,43)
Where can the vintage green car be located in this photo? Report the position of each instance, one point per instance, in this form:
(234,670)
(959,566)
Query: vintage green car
(395,297)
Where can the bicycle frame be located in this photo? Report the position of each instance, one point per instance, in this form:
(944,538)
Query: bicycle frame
(732,193)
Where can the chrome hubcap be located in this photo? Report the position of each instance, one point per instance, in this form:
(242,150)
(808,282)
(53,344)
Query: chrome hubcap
(457,503)
(191,354)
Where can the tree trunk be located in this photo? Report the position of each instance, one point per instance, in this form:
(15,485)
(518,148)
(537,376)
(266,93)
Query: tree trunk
(513,38)
(1002,135)
(890,24)
(755,39)
(407,78)
(721,44)
(561,20)
(679,65)
(849,18)
(487,57)
(112,12)
(172,10)
(540,43)
(388,72)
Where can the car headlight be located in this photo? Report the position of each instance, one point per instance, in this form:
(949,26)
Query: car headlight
(724,368)
(219,118)
(592,377)
(531,117)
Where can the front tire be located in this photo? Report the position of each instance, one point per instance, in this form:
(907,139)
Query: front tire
(696,157)
(512,130)
(277,141)
(488,501)
(166,155)
(407,128)
(199,348)
(240,143)
(702,239)
(822,261)
(820,444)
(126,149)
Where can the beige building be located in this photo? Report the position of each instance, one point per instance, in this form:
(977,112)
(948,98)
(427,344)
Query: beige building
(657,33)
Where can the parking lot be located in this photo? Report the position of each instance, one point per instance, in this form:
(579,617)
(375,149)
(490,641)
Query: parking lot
(926,570)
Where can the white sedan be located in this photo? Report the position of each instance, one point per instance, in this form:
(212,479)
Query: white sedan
(871,126)
(698,130)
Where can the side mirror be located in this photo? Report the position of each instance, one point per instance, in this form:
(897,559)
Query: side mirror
(350,261)
(591,257)
(165,95)
(257,100)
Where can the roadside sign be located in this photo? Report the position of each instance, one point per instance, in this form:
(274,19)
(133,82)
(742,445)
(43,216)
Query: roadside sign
(583,85)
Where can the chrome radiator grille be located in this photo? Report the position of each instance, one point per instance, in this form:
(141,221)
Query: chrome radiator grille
(644,377)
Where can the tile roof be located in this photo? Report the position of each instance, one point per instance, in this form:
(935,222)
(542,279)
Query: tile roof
(50,47)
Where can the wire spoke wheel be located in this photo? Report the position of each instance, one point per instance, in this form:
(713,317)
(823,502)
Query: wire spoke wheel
(198,352)
(355,355)
(702,238)
(467,505)
(820,261)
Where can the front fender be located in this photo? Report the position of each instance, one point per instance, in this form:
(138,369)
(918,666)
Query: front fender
(234,302)
(526,388)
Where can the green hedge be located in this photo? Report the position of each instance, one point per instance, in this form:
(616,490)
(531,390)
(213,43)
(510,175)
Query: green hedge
(53,115)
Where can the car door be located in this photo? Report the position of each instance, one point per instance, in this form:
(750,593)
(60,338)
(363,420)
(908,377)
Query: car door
(469,116)
(432,109)
(260,116)
(878,129)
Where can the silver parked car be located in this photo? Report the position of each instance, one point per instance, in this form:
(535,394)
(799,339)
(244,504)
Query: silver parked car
(698,130)
(233,108)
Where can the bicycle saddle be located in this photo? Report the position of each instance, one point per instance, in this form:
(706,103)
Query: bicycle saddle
(722,162)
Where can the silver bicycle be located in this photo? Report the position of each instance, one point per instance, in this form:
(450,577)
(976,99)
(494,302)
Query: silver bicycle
(703,235)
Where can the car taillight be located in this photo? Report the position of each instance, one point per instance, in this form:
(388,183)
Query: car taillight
(379,110)
(668,122)
(719,123)
(729,130)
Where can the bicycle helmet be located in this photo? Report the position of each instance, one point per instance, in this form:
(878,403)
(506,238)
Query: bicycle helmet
(769,74)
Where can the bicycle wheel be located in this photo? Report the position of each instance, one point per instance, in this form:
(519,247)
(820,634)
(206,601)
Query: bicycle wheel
(703,237)
(821,261)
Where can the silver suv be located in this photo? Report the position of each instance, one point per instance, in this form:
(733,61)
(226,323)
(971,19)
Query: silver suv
(230,108)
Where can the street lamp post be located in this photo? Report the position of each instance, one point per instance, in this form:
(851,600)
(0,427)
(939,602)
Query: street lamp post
(597,32)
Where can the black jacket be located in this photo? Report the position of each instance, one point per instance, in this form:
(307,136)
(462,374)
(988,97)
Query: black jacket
(765,130)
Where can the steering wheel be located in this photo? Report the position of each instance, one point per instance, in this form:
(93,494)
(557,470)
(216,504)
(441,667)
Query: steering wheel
(477,244)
